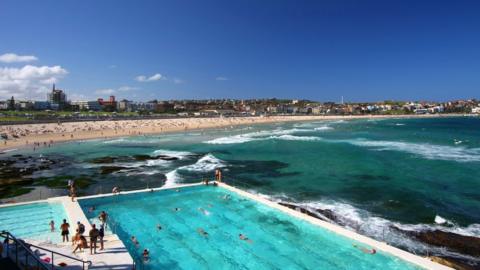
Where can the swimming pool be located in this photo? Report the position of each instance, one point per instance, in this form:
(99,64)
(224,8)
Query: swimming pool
(278,241)
(32,221)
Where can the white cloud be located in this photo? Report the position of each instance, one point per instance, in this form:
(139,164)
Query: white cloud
(221,78)
(108,91)
(14,58)
(29,81)
(178,81)
(112,91)
(127,88)
(155,77)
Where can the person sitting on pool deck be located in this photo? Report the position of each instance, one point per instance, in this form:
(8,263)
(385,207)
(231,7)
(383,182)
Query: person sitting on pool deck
(135,241)
(94,233)
(82,244)
(365,250)
(244,238)
(64,229)
(76,237)
(202,232)
(80,227)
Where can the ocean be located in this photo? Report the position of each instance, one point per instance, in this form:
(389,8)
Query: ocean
(374,175)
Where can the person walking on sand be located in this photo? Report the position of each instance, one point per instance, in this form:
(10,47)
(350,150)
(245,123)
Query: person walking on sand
(64,229)
(94,233)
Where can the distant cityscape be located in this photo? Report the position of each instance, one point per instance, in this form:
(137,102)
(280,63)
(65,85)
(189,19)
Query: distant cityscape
(56,100)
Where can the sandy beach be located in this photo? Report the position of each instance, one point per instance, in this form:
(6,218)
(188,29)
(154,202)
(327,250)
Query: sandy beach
(44,135)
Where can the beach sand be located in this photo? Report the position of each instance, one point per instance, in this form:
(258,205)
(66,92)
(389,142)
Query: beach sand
(44,135)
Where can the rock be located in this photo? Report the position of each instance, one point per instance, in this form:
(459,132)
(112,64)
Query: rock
(323,214)
(455,263)
(460,243)
(102,160)
(111,169)
(163,157)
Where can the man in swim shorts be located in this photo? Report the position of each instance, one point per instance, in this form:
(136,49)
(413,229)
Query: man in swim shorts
(94,233)
(64,229)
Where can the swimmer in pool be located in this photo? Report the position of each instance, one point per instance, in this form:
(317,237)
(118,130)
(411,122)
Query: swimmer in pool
(365,250)
(245,238)
(135,241)
(202,232)
(159,227)
(176,209)
(146,255)
(205,212)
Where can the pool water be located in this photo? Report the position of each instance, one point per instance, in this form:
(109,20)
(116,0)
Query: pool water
(278,241)
(32,221)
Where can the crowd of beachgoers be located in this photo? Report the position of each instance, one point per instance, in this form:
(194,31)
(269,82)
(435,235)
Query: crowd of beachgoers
(38,135)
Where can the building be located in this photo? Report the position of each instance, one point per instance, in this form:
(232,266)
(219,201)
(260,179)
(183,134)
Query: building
(108,105)
(58,97)
(124,105)
(87,105)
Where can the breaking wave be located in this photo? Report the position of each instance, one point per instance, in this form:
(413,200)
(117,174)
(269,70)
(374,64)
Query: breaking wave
(205,164)
(170,153)
(257,136)
(429,151)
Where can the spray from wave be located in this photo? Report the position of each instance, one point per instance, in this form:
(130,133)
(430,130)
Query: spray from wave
(205,164)
(258,136)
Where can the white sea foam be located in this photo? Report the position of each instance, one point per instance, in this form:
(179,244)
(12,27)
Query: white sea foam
(205,164)
(170,153)
(256,136)
(429,151)
(295,138)
(323,128)
(380,228)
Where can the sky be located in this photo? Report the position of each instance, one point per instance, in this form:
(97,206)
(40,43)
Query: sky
(318,50)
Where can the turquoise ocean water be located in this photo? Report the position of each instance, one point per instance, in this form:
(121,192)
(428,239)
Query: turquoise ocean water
(411,173)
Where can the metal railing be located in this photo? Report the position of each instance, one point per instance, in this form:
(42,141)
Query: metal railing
(52,253)
(21,247)
(41,264)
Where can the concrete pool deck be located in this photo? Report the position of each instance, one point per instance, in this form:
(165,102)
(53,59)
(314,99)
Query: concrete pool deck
(116,255)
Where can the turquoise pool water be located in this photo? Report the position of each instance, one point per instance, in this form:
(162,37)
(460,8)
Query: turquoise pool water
(32,221)
(279,241)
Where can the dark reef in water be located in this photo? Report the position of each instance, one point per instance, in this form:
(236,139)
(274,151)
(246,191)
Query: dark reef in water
(466,245)
(19,174)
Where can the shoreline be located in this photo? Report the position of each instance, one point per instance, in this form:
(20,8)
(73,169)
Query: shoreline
(44,135)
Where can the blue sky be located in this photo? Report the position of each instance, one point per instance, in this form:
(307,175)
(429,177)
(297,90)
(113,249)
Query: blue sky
(320,50)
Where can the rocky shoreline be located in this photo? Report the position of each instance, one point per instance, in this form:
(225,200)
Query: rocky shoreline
(466,245)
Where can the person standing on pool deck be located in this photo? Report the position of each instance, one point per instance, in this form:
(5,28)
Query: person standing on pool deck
(101,234)
(103,217)
(64,229)
(94,233)
(52,226)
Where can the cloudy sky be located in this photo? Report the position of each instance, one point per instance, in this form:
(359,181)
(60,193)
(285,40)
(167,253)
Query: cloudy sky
(321,50)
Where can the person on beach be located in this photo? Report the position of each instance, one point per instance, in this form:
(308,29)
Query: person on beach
(103,217)
(52,226)
(64,229)
(101,234)
(94,233)
(82,244)
(365,250)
